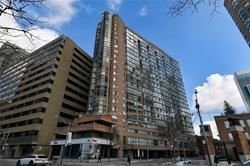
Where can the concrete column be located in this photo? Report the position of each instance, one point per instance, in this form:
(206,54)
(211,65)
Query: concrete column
(50,152)
(7,152)
(40,149)
(120,153)
(18,152)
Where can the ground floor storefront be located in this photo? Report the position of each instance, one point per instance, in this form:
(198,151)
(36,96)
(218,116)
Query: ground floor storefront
(17,151)
(90,148)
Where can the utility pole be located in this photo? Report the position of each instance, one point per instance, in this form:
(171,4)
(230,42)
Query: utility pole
(68,137)
(197,106)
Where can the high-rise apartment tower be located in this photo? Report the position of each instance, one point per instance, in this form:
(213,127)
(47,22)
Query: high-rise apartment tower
(42,92)
(137,99)
(240,12)
(136,83)
(242,80)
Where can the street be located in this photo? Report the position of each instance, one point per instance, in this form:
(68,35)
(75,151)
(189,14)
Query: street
(151,162)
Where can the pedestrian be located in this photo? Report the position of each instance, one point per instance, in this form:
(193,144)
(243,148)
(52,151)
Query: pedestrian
(129,160)
(98,155)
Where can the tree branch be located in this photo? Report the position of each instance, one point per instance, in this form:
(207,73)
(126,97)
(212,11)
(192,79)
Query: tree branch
(178,7)
(17,9)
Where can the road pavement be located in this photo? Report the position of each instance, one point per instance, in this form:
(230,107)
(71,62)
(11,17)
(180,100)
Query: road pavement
(7,162)
(150,162)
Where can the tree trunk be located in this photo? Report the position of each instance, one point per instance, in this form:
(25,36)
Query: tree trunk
(174,149)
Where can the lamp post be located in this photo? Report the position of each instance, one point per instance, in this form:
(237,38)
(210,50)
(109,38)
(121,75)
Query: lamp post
(67,140)
(197,106)
(68,137)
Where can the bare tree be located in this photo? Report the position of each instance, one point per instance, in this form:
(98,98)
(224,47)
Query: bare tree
(113,138)
(178,7)
(18,10)
(172,130)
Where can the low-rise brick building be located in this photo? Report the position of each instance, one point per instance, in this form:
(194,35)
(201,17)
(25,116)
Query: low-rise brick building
(232,140)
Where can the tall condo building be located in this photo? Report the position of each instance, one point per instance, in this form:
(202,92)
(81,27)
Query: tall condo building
(41,92)
(240,12)
(242,79)
(136,93)
(138,84)
(10,58)
(9,54)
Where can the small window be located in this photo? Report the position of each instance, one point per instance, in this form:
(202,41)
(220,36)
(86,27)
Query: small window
(242,123)
(114,117)
(30,156)
(248,122)
(247,135)
(230,135)
(226,124)
(42,156)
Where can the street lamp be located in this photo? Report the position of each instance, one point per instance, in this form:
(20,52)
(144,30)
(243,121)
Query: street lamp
(197,106)
(67,140)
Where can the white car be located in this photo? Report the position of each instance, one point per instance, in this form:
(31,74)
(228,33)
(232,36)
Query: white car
(225,163)
(186,162)
(222,163)
(33,160)
(246,163)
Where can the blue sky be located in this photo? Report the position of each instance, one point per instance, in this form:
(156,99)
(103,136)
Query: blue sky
(204,44)
(209,48)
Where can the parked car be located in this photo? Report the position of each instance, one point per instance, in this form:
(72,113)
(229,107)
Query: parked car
(219,157)
(222,162)
(33,160)
(186,162)
(246,163)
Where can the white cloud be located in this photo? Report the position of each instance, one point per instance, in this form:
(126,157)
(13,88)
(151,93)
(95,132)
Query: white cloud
(143,11)
(213,128)
(18,38)
(59,12)
(215,90)
(87,8)
(114,4)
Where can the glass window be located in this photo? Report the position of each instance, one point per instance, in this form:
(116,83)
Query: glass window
(231,138)
(248,122)
(226,124)
(247,135)
(242,123)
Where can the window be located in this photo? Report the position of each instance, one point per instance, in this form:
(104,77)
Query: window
(247,135)
(230,136)
(242,123)
(114,117)
(248,122)
(226,124)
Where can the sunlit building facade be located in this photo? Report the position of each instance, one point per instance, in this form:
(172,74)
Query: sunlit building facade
(136,100)
(240,12)
(242,80)
(41,92)
(11,54)
(140,87)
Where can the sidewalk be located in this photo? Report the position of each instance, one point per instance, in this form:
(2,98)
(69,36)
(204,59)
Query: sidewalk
(114,162)
(94,162)
(123,162)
